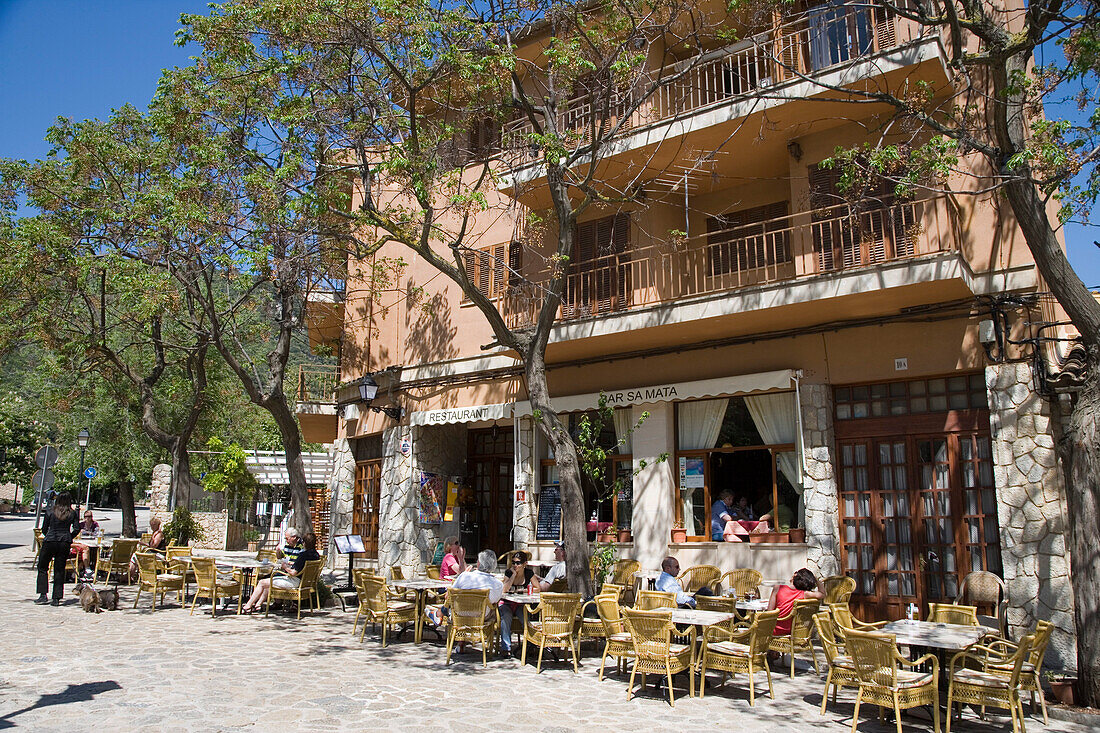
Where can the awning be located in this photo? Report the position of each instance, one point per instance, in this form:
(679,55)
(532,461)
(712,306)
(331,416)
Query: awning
(743,384)
(452,415)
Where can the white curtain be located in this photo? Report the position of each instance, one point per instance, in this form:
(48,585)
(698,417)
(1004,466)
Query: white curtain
(623,423)
(776,418)
(700,423)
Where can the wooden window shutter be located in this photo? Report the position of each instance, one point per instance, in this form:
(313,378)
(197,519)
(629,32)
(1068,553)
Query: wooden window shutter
(498,253)
(515,263)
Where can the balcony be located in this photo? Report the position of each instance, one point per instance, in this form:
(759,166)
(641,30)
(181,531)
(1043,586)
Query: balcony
(789,249)
(316,403)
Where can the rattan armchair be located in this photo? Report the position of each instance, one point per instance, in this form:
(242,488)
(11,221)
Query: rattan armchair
(1032,668)
(986,590)
(743,651)
(154,576)
(39,537)
(379,604)
(612,589)
(883,682)
(654,652)
(950,613)
(213,586)
(742,580)
(306,588)
(798,640)
(700,576)
(472,619)
(271,556)
(1000,689)
(173,560)
(432,571)
(651,600)
(842,670)
(838,588)
(117,560)
(618,642)
(556,626)
(622,572)
(844,620)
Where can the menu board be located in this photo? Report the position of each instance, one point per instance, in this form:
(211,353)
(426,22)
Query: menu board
(549,520)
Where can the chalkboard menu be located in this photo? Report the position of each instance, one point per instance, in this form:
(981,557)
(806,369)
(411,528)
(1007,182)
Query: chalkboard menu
(549,524)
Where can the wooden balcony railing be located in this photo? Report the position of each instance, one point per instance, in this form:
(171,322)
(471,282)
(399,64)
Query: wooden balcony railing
(317,384)
(803,45)
(788,248)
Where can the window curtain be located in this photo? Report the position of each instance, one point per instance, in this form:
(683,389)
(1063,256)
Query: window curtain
(700,423)
(623,424)
(776,418)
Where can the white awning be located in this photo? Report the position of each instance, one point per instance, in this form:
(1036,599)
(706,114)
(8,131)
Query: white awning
(743,384)
(269,467)
(461,414)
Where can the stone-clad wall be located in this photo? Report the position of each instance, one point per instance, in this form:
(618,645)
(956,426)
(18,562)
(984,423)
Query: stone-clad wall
(159,487)
(525,478)
(820,496)
(1031,505)
(341,487)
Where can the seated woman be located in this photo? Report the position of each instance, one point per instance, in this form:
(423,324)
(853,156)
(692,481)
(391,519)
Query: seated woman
(454,562)
(804,584)
(157,543)
(89,528)
(290,580)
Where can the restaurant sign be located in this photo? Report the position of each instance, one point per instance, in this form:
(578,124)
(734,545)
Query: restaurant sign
(461,414)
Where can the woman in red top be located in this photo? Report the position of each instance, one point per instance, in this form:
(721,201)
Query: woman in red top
(783,597)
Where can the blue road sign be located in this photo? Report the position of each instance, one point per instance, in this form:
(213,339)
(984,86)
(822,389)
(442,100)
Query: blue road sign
(90,472)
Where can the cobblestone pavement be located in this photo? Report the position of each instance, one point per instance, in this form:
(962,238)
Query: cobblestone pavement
(67,670)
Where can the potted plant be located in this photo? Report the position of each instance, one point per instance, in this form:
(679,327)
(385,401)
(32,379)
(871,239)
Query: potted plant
(797,534)
(606,535)
(625,534)
(679,534)
(1061,686)
(252,537)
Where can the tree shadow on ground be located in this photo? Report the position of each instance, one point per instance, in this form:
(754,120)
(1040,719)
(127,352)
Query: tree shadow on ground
(83,692)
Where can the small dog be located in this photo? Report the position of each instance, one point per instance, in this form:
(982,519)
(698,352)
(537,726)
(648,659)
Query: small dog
(108,599)
(93,601)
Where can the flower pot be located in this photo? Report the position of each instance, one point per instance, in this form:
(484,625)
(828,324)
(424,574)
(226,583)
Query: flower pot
(767,537)
(253,545)
(604,537)
(797,534)
(679,535)
(624,535)
(1063,690)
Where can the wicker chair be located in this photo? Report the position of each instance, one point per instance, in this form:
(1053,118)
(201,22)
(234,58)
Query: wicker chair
(271,557)
(591,625)
(556,626)
(472,619)
(154,576)
(844,620)
(380,605)
(38,539)
(146,538)
(432,572)
(622,572)
(172,558)
(117,560)
(612,589)
(307,588)
(985,590)
(838,588)
(798,640)
(1032,668)
(743,651)
(742,580)
(618,642)
(654,652)
(999,689)
(700,576)
(651,600)
(883,682)
(842,670)
(213,586)
(950,613)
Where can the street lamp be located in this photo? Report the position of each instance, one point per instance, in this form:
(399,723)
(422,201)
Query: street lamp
(82,439)
(368,390)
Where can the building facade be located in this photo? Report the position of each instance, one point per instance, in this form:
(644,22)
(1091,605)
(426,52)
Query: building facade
(755,330)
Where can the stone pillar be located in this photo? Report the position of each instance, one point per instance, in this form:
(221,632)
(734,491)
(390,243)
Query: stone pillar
(341,488)
(160,488)
(397,536)
(1031,505)
(655,486)
(820,495)
(526,478)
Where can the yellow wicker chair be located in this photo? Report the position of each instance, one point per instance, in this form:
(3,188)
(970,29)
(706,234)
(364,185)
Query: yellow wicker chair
(726,604)
(154,576)
(472,619)
(38,539)
(379,604)
(432,572)
(117,560)
(798,640)
(651,600)
(700,576)
(883,682)
(743,651)
(556,626)
(591,625)
(213,586)
(742,580)
(654,652)
(842,670)
(172,555)
(618,642)
(622,572)
(306,588)
(146,538)
(271,556)
(987,591)
(999,689)
(1032,668)
(950,613)
(612,589)
(396,573)
(838,589)
(844,620)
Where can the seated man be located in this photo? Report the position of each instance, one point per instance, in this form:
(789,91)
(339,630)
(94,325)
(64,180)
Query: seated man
(555,573)
(721,514)
(667,582)
(292,548)
(482,577)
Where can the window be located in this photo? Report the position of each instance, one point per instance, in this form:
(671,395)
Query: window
(599,272)
(748,239)
(365,504)
(493,269)
(913,397)
(484,140)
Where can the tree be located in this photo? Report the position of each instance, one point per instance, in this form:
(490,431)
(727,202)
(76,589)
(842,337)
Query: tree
(401,99)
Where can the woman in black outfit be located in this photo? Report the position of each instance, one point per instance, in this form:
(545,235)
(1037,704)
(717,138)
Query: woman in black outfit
(59,526)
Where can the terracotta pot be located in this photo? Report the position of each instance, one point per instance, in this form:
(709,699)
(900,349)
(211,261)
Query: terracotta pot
(605,537)
(1063,690)
(768,537)
(253,545)
(624,535)
(679,535)
(798,534)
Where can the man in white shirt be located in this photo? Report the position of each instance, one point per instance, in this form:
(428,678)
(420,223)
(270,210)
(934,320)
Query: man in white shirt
(556,572)
(482,577)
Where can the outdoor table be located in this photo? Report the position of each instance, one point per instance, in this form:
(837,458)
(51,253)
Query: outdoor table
(245,565)
(947,637)
(421,586)
(525,598)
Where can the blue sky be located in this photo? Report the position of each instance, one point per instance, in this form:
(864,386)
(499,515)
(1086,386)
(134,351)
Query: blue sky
(82,59)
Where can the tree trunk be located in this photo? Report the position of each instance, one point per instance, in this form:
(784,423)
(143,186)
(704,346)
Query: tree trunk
(182,480)
(1080,452)
(573,526)
(126,503)
(300,518)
